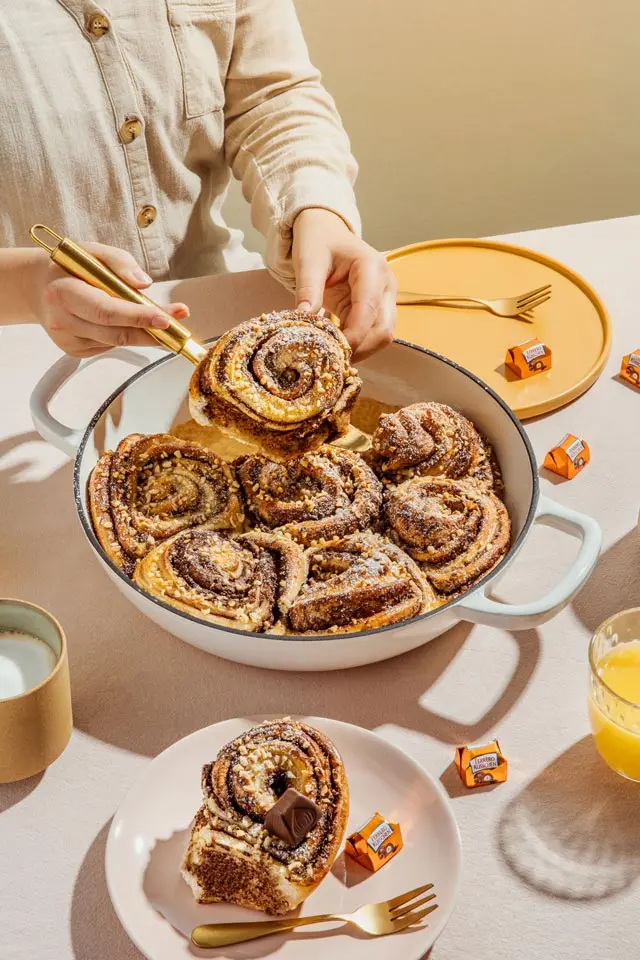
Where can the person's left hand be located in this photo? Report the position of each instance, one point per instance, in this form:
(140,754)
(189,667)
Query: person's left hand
(338,270)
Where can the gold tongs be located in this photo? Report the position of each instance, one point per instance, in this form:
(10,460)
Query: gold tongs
(79,263)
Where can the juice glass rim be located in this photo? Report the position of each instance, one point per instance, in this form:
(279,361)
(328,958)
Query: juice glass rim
(592,663)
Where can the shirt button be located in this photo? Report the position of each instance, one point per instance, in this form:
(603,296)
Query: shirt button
(130,129)
(97,24)
(146,216)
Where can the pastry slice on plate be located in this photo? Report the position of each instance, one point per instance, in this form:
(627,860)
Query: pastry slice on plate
(276,805)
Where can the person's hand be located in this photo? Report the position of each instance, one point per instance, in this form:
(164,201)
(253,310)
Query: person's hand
(336,269)
(84,321)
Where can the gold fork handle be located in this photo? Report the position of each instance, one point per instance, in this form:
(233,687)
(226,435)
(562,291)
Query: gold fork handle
(210,935)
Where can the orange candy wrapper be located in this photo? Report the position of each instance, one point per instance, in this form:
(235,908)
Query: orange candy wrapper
(568,458)
(479,766)
(630,369)
(529,358)
(374,845)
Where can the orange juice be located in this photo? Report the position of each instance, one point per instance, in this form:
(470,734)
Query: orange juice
(614,708)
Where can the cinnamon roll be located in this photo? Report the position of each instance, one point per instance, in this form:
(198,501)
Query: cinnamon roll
(283,380)
(359,583)
(152,487)
(315,497)
(456,529)
(432,439)
(232,856)
(247,582)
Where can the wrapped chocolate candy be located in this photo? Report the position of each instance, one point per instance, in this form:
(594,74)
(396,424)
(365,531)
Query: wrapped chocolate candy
(375,844)
(479,766)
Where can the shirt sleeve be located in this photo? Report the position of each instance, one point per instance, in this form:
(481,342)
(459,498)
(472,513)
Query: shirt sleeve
(284,139)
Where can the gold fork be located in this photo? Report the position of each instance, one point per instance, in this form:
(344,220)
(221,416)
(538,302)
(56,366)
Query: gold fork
(521,306)
(376,919)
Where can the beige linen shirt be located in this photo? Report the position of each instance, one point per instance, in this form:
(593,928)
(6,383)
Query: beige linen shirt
(119,123)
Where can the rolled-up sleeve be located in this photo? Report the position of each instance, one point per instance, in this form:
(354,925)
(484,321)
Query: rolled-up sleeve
(284,139)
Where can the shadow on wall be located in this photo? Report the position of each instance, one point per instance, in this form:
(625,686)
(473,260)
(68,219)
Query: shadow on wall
(572,832)
(459,132)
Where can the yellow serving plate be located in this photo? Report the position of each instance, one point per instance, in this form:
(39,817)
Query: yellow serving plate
(574,323)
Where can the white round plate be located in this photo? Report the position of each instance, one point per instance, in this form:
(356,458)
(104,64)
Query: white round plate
(150,831)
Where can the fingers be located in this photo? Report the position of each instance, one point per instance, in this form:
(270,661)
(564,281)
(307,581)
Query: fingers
(380,335)
(371,282)
(112,336)
(82,300)
(121,263)
(311,273)
(80,337)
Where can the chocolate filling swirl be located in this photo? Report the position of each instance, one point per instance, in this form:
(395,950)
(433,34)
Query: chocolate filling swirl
(250,774)
(247,582)
(316,497)
(283,380)
(153,487)
(456,529)
(432,439)
(359,583)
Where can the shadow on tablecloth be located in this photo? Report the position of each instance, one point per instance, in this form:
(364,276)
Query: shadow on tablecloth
(95,929)
(136,687)
(12,793)
(614,584)
(572,832)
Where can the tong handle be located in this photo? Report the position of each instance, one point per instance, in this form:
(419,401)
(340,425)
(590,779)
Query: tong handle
(79,263)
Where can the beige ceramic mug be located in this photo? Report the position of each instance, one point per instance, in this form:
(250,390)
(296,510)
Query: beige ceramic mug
(35,698)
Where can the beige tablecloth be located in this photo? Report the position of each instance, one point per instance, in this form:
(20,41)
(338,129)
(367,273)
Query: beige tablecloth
(551,858)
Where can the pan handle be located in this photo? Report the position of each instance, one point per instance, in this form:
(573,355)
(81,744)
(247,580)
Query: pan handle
(66,438)
(477,607)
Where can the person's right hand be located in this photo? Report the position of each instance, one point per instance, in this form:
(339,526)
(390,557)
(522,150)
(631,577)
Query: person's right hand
(84,321)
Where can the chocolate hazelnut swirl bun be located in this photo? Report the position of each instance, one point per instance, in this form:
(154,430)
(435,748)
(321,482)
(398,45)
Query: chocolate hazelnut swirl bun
(315,497)
(283,381)
(247,582)
(358,583)
(432,439)
(152,487)
(232,855)
(456,529)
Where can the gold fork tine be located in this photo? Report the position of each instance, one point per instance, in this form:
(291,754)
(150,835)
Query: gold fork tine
(532,293)
(532,304)
(526,304)
(412,905)
(412,918)
(405,897)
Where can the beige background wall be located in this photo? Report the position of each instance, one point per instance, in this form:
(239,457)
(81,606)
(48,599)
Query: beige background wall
(476,117)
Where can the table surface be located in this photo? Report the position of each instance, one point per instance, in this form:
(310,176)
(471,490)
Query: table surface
(551,858)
